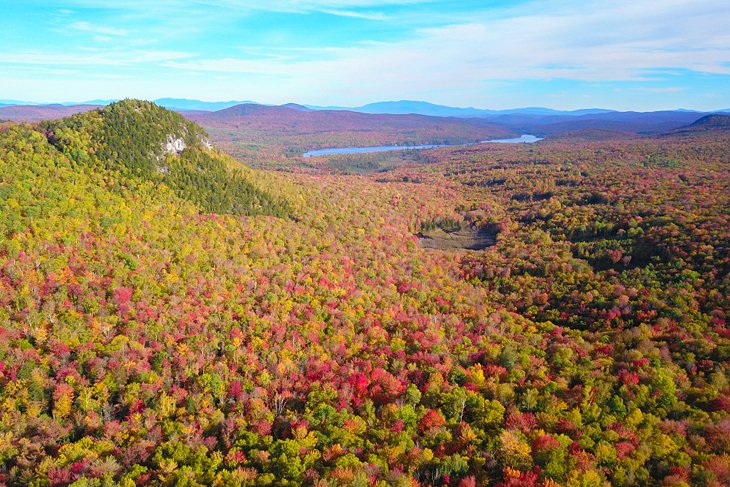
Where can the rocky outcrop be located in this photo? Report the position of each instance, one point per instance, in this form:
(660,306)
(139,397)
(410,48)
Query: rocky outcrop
(174,145)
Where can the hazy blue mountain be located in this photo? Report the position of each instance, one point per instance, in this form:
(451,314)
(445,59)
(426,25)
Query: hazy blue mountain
(93,102)
(549,111)
(20,103)
(534,120)
(297,106)
(36,113)
(628,122)
(421,108)
(12,103)
(185,104)
(404,107)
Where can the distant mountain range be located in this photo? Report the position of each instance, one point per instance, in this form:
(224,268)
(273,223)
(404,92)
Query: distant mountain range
(404,107)
(532,120)
(298,121)
(540,122)
(183,104)
(618,122)
(36,113)
(179,104)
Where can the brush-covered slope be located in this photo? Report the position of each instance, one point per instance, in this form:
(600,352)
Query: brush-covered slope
(140,139)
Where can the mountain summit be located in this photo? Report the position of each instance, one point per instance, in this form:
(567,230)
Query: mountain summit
(143,140)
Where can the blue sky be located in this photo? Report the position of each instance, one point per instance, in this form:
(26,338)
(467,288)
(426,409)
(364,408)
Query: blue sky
(565,54)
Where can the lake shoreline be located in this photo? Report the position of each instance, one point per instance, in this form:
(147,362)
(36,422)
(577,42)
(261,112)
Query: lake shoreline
(523,139)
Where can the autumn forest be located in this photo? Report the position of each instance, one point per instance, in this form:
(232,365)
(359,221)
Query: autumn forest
(185,300)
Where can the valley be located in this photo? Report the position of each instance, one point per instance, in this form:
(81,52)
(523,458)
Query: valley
(491,314)
(365,243)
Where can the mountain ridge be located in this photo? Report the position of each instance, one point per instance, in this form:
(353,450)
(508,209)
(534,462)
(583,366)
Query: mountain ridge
(712,122)
(426,108)
(534,120)
(418,107)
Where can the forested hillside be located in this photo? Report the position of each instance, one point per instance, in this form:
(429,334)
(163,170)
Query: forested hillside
(143,140)
(172,318)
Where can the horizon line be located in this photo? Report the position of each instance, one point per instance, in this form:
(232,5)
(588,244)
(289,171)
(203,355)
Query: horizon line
(104,102)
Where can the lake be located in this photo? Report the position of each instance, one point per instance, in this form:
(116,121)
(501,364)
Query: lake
(523,139)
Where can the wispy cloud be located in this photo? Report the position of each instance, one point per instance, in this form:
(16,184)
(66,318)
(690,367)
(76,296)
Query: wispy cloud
(668,89)
(97,58)
(241,5)
(98,29)
(377,16)
(617,41)
(364,50)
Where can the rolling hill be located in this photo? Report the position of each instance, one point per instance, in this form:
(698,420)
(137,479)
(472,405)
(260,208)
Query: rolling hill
(142,140)
(36,113)
(708,123)
(251,130)
(297,119)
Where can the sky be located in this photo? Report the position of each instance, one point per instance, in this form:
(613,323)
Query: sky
(564,54)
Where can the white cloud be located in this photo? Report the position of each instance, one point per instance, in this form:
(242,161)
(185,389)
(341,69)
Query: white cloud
(378,16)
(668,89)
(98,29)
(96,57)
(614,41)
(293,6)
(601,40)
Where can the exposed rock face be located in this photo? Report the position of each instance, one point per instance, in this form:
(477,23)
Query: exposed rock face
(174,146)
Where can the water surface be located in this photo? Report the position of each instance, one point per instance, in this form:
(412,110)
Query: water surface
(365,150)
(523,139)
